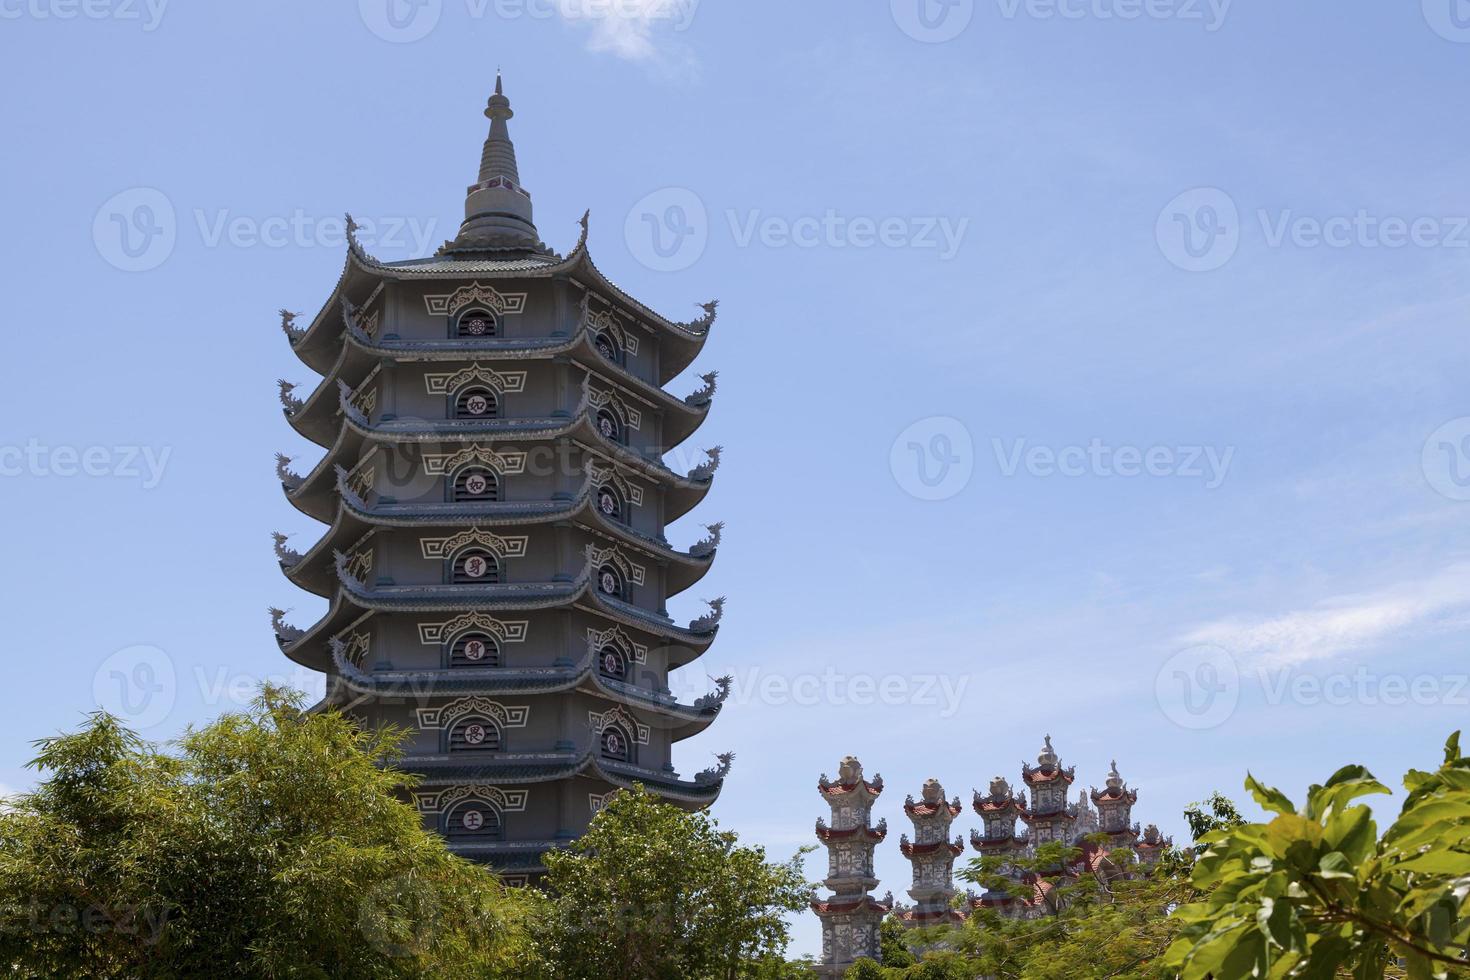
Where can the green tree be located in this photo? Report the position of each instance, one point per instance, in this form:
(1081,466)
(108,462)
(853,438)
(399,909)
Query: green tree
(271,843)
(651,891)
(1316,892)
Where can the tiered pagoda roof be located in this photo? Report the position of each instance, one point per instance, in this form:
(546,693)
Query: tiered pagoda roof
(568,364)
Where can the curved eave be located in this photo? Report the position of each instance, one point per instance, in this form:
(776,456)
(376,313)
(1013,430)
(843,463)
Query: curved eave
(680,418)
(680,343)
(680,720)
(691,793)
(683,569)
(911,850)
(518,597)
(697,641)
(311,649)
(316,496)
(320,417)
(318,347)
(445,770)
(682,493)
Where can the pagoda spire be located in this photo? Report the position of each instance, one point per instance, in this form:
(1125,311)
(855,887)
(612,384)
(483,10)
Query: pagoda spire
(497,209)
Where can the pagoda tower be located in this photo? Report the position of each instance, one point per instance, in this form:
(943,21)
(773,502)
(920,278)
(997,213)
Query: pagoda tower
(1050,817)
(495,562)
(1115,810)
(850,917)
(932,855)
(1152,845)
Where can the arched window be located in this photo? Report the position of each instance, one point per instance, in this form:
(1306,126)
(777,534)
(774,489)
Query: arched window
(609,426)
(608,348)
(475,566)
(613,663)
(474,650)
(610,582)
(476,403)
(473,820)
(476,323)
(615,744)
(475,483)
(474,735)
(610,503)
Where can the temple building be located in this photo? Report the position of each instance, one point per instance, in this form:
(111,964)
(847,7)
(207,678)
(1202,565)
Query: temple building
(1052,817)
(932,855)
(494,421)
(851,915)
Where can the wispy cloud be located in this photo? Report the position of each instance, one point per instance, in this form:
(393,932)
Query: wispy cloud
(635,30)
(1346,623)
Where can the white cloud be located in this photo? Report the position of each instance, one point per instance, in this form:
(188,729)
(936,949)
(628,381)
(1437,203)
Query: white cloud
(634,30)
(1346,623)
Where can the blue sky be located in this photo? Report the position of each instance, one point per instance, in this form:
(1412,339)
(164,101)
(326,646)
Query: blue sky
(1089,367)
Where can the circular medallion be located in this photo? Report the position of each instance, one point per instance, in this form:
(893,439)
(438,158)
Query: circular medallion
(477,326)
(606,427)
(614,743)
(607,503)
(474,734)
(476,567)
(609,583)
(606,349)
(477,405)
(477,485)
(612,663)
(474,650)
(474,820)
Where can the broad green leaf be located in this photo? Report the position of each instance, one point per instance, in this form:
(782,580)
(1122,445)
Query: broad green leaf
(1269,798)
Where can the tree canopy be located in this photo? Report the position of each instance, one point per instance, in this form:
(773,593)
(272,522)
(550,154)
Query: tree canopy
(270,844)
(653,892)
